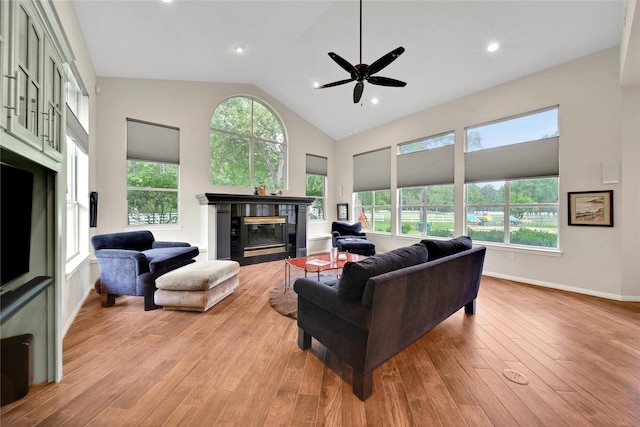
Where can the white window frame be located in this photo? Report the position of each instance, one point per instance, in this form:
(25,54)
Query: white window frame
(491,168)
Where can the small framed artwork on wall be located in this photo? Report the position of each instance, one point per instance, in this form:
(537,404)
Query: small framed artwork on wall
(591,208)
(343,211)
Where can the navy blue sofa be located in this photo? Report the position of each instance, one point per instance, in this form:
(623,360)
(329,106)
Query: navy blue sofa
(382,304)
(130,263)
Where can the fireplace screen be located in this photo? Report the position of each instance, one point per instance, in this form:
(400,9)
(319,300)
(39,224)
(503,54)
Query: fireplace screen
(264,235)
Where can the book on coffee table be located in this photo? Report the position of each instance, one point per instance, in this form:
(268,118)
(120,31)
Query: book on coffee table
(318,262)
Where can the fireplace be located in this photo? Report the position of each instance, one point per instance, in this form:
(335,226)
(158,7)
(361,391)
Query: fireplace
(263,235)
(254,229)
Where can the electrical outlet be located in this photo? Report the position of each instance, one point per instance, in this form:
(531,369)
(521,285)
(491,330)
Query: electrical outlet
(512,255)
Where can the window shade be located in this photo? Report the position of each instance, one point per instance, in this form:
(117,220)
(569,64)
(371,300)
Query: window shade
(77,132)
(152,142)
(525,160)
(316,165)
(372,170)
(426,167)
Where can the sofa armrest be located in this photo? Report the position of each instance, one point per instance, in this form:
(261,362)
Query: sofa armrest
(326,297)
(165,244)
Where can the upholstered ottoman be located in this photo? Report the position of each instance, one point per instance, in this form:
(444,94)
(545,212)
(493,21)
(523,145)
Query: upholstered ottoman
(197,286)
(356,245)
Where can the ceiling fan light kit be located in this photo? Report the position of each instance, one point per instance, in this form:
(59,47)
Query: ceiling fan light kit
(361,72)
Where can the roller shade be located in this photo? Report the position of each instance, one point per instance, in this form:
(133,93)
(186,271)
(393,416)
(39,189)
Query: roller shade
(77,132)
(426,167)
(372,170)
(316,165)
(152,142)
(533,159)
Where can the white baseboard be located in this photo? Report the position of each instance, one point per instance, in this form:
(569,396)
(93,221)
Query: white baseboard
(583,291)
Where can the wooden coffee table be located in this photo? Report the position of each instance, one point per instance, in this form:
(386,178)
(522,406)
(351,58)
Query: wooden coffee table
(316,264)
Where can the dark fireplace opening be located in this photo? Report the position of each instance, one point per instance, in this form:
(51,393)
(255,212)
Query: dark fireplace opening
(264,235)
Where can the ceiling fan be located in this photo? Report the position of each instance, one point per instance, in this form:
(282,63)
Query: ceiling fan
(361,72)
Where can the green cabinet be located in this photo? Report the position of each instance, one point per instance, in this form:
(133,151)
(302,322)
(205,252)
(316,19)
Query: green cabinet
(34,79)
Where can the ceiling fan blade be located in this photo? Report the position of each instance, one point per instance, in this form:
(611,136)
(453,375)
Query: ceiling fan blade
(357,92)
(341,82)
(384,61)
(344,64)
(385,81)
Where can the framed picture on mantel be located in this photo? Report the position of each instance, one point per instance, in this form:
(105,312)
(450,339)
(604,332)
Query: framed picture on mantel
(343,211)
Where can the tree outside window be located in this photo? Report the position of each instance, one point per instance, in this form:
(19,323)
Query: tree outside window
(152,193)
(316,189)
(247,145)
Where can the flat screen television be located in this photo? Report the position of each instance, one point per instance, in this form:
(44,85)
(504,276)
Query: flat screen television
(15,221)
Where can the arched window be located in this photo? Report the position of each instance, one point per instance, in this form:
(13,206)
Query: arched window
(248,145)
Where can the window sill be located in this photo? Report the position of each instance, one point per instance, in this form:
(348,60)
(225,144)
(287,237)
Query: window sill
(552,252)
(154,227)
(75,263)
(319,237)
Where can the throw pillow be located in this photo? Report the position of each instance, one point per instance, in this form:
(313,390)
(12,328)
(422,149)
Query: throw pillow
(442,248)
(355,274)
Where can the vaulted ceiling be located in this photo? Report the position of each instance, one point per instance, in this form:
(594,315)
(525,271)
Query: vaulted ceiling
(286,44)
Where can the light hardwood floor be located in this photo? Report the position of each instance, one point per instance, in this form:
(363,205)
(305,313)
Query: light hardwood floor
(239,364)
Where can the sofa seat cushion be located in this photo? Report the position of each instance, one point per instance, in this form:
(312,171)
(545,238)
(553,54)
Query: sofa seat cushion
(198,276)
(355,274)
(442,248)
(163,259)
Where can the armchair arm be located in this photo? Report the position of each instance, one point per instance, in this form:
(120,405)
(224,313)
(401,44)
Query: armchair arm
(119,269)
(164,244)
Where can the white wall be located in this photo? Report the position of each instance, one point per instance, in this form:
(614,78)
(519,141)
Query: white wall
(592,120)
(187,106)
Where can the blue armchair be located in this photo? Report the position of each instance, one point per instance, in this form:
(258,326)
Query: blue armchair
(350,238)
(131,262)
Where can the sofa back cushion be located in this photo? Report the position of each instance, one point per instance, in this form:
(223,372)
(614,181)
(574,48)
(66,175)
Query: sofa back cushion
(355,274)
(442,248)
(131,240)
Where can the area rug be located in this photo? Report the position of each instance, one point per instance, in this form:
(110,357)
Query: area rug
(285,303)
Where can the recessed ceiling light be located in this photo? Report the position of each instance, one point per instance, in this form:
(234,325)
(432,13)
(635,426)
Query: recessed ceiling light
(316,85)
(374,101)
(238,49)
(493,47)
(167,1)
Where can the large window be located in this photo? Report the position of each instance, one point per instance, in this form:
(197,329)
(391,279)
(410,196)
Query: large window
(373,210)
(511,174)
(425,181)
(152,173)
(427,211)
(518,212)
(316,185)
(77,142)
(73,206)
(247,145)
(371,186)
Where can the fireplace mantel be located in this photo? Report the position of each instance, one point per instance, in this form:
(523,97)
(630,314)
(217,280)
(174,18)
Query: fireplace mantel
(216,198)
(226,237)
